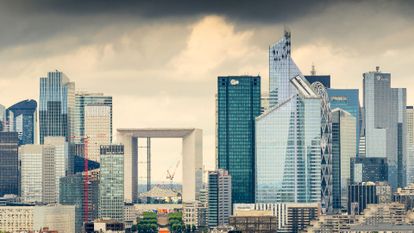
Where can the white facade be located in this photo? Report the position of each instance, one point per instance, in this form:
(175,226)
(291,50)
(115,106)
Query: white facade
(55,166)
(31,160)
(58,217)
(97,128)
(192,159)
(16,218)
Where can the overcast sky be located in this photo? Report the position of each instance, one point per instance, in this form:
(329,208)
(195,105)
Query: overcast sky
(160,59)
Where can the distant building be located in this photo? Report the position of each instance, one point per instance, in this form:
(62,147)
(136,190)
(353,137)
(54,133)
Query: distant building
(219,197)
(55,165)
(254,221)
(9,165)
(72,193)
(22,118)
(369,169)
(405,196)
(343,149)
(111,185)
(31,173)
(410,144)
(26,218)
(195,214)
(97,128)
(56,108)
(104,225)
(2,118)
(58,217)
(385,123)
(291,217)
(238,104)
(362,194)
(348,100)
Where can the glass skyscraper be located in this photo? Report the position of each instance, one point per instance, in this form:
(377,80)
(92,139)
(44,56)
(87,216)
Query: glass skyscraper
(238,104)
(324,79)
(21,118)
(219,198)
(410,144)
(343,149)
(288,135)
(385,123)
(348,100)
(9,165)
(57,101)
(111,185)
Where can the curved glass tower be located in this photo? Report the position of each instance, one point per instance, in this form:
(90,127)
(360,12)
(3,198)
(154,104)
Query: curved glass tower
(22,119)
(288,134)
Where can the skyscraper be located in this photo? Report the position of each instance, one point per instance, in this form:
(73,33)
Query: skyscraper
(410,144)
(9,165)
(57,100)
(111,185)
(31,160)
(55,165)
(238,103)
(348,100)
(84,99)
(385,123)
(288,135)
(369,169)
(22,119)
(2,117)
(324,79)
(219,197)
(97,123)
(343,149)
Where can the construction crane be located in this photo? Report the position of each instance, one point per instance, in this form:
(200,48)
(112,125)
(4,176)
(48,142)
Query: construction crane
(171,175)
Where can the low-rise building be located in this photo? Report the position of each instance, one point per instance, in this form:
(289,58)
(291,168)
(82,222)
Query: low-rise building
(195,213)
(254,221)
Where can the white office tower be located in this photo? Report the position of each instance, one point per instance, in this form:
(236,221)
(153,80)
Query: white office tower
(385,123)
(291,157)
(55,166)
(97,120)
(31,179)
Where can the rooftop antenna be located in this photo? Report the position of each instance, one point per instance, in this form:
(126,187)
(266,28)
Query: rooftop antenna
(313,71)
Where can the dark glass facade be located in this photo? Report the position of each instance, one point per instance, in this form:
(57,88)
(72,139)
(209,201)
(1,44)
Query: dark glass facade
(360,195)
(324,79)
(336,164)
(238,104)
(9,165)
(23,116)
(365,169)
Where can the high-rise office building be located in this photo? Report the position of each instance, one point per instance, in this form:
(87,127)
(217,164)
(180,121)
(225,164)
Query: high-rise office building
(72,193)
(111,185)
(9,165)
(97,123)
(410,144)
(22,118)
(84,99)
(219,197)
(385,123)
(238,104)
(56,108)
(31,160)
(362,194)
(348,100)
(343,149)
(55,165)
(2,117)
(369,169)
(288,134)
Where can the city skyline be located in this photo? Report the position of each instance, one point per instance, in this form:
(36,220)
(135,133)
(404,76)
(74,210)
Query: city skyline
(117,53)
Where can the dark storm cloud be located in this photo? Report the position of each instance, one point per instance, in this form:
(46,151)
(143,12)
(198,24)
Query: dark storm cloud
(245,10)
